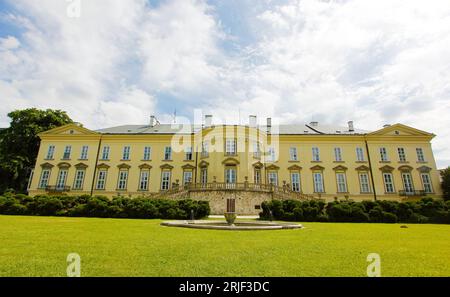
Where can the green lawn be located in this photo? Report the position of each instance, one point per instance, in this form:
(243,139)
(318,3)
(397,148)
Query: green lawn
(38,246)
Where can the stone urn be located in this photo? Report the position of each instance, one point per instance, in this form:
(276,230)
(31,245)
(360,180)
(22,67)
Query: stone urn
(230,217)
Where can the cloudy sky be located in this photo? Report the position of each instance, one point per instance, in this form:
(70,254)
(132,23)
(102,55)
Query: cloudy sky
(113,62)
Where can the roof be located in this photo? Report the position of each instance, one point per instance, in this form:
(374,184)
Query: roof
(187,128)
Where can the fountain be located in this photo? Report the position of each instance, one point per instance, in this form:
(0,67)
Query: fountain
(230,222)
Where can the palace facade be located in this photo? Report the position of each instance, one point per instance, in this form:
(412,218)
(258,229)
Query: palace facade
(251,163)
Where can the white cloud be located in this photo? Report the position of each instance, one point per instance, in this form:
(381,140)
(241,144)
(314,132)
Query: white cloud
(373,62)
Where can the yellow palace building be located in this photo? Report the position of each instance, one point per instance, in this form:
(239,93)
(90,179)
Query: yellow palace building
(250,163)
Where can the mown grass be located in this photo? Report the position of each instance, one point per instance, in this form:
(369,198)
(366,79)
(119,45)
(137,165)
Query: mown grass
(38,246)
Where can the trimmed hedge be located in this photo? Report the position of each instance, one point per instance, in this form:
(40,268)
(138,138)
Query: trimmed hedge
(102,207)
(426,210)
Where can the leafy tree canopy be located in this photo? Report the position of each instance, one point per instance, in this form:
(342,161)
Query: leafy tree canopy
(19,144)
(446,182)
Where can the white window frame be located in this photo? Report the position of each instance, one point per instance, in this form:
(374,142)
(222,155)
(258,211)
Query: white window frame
(67,152)
(144,178)
(295,182)
(364,183)
(44,179)
(401,154)
(50,152)
(101,179)
(126,153)
(257,176)
(168,153)
(316,154)
(271,154)
(205,147)
(383,154)
(79,179)
(165,180)
(61,179)
(389,186)
(420,154)
(187,177)
(272,178)
(256,149)
(231,146)
(122,180)
(341,181)
(360,154)
(408,183)
(427,184)
(147,153)
(84,152)
(338,154)
(204,176)
(105,152)
(189,156)
(318,182)
(293,154)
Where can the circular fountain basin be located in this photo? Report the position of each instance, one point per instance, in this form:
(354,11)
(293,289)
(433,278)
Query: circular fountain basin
(223,225)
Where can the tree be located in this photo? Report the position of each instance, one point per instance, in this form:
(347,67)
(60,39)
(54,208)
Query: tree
(445,174)
(19,144)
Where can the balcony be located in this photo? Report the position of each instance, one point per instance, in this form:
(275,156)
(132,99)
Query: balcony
(414,193)
(57,189)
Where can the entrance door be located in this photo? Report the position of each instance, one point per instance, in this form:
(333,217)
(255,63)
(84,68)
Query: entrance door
(230,178)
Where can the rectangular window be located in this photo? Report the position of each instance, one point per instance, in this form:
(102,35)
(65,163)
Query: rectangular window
(426,181)
(257,176)
(407,182)
(420,156)
(188,152)
(205,147)
(271,155)
(143,180)
(123,178)
(359,154)
(50,152)
(204,176)
(101,180)
(341,182)
(337,154)
(295,181)
(383,154)
(364,182)
(388,182)
(401,154)
(61,181)
(256,149)
(67,151)
(318,182)
(187,177)
(45,176)
(126,153)
(230,147)
(293,154)
(165,180)
(79,180)
(147,153)
(273,178)
(84,152)
(105,153)
(30,179)
(167,153)
(315,154)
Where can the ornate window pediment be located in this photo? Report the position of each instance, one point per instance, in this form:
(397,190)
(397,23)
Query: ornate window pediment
(166,166)
(294,167)
(258,165)
(387,168)
(340,168)
(188,166)
(405,168)
(145,166)
(64,165)
(47,165)
(230,161)
(317,168)
(424,169)
(362,168)
(272,167)
(203,164)
(103,166)
(123,166)
(81,166)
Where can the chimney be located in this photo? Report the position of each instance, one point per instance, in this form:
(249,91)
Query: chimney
(208,120)
(153,121)
(269,125)
(252,121)
(350,126)
(314,124)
